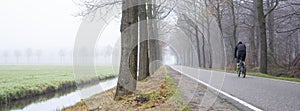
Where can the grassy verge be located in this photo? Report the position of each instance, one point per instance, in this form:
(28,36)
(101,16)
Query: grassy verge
(158,92)
(18,82)
(268,76)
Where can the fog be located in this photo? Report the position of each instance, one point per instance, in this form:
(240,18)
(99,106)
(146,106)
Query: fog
(42,32)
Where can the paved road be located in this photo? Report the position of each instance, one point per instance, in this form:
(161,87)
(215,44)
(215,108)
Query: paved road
(262,93)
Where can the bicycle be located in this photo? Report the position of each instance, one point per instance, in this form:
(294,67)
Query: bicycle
(241,69)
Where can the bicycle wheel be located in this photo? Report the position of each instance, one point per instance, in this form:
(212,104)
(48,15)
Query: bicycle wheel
(244,73)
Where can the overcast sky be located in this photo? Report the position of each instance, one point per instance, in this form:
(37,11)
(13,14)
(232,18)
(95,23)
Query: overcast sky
(43,24)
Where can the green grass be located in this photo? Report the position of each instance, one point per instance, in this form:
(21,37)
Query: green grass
(268,76)
(259,75)
(17,82)
(177,95)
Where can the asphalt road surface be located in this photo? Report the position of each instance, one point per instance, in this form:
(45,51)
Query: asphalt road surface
(261,93)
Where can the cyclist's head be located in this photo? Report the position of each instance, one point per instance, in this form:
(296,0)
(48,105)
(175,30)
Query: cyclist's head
(240,42)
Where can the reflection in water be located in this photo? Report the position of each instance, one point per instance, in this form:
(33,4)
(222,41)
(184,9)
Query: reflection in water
(20,104)
(59,100)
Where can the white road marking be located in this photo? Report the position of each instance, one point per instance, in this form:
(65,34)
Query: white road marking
(222,92)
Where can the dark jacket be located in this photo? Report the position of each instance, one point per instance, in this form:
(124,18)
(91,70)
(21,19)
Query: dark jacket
(240,48)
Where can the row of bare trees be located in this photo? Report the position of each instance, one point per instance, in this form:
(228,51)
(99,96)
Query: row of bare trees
(139,28)
(270,28)
(138,33)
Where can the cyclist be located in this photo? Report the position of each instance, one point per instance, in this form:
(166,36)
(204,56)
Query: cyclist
(240,53)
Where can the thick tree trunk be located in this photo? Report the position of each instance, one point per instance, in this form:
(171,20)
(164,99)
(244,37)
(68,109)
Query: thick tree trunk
(129,36)
(144,58)
(263,38)
(134,34)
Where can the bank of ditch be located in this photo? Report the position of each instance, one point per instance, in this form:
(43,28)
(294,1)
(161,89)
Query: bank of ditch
(23,82)
(158,92)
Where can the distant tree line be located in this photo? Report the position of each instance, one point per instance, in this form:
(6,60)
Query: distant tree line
(31,56)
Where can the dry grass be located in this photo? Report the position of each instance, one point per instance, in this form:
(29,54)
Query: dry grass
(157,91)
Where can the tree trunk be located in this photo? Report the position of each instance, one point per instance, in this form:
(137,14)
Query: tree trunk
(271,27)
(198,46)
(209,45)
(151,35)
(187,57)
(129,36)
(257,34)
(156,35)
(203,51)
(297,48)
(252,46)
(144,60)
(263,38)
(134,34)
(234,32)
(234,22)
(218,16)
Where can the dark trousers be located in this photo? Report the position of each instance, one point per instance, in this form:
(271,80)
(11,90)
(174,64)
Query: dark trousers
(241,56)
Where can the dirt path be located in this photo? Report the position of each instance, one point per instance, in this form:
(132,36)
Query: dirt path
(193,94)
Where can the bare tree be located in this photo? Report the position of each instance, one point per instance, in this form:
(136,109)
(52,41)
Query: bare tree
(144,57)
(62,54)
(28,54)
(191,14)
(129,37)
(38,54)
(17,54)
(271,20)
(107,53)
(152,33)
(5,55)
(263,35)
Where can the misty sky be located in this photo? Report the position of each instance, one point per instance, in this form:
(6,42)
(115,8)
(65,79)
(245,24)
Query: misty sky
(43,24)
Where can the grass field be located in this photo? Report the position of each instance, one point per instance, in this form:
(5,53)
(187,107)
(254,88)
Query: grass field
(17,82)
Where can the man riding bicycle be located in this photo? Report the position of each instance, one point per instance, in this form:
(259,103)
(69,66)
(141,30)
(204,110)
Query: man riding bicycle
(240,53)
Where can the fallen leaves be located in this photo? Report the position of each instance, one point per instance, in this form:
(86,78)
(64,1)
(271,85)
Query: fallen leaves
(152,93)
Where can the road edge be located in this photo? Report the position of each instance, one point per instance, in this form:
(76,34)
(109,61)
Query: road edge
(240,104)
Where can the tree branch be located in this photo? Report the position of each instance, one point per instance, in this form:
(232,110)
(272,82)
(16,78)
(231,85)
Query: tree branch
(287,31)
(273,8)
